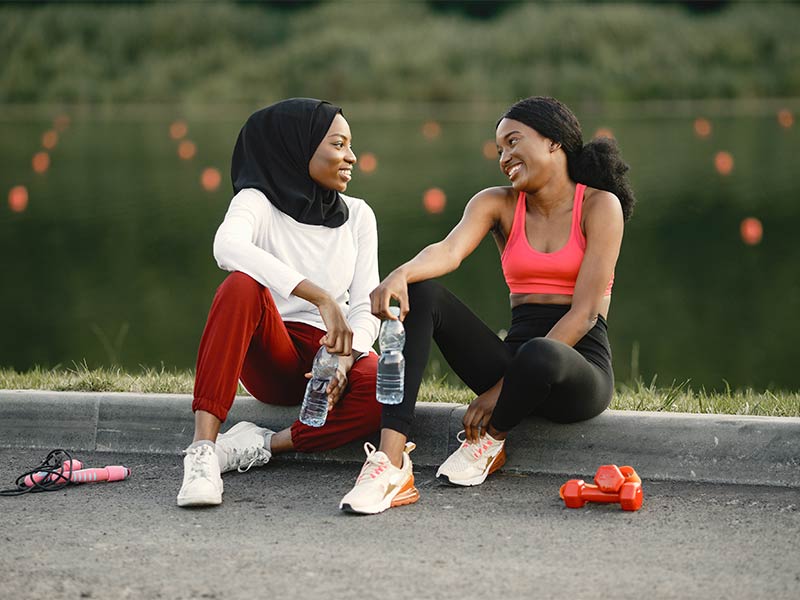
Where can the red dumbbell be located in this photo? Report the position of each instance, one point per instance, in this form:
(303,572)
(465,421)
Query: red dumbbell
(613,485)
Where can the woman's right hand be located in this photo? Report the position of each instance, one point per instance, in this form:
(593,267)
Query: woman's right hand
(394,286)
(339,336)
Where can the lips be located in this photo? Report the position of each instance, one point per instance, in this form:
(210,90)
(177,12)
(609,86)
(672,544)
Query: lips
(346,174)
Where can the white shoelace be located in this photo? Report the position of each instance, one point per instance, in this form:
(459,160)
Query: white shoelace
(247,457)
(475,450)
(373,465)
(200,466)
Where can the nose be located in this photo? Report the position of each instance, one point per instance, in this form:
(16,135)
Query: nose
(351,157)
(505,157)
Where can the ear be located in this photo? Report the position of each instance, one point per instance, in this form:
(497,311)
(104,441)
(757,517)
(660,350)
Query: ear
(554,146)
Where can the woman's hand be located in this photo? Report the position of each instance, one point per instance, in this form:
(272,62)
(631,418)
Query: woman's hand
(339,381)
(394,286)
(339,336)
(480,411)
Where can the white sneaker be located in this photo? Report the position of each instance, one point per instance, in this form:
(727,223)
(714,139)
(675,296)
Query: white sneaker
(381,485)
(202,485)
(472,463)
(243,446)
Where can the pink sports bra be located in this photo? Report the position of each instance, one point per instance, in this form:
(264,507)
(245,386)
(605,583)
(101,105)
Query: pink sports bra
(528,271)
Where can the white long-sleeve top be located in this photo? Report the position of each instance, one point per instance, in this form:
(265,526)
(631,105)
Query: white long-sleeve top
(268,245)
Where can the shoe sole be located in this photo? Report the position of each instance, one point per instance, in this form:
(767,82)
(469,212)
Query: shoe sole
(199,500)
(497,463)
(408,494)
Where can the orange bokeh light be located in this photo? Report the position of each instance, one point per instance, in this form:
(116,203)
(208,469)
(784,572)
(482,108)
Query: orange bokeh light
(785,118)
(41,162)
(702,127)
(50,139)
(490,150)
(187,150)
(367,162)
(751,230)
(178,130)
(210,179)
(434,200)
(604,132)
(723,162)
(61,122)
(18,198)
(431,130)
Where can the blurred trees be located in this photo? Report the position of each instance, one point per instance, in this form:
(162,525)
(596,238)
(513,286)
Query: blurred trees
(395,51)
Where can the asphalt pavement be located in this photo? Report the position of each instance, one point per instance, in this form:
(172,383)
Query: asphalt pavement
(279,534)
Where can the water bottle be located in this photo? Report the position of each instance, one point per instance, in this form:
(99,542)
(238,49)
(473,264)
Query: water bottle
(392,363)
(315,402)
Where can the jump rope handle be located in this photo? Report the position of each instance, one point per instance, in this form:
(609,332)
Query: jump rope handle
(111,473)
(49,476)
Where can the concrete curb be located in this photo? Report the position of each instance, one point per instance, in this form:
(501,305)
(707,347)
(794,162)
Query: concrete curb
(661,446)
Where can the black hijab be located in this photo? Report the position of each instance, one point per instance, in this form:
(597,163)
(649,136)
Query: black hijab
(272,154)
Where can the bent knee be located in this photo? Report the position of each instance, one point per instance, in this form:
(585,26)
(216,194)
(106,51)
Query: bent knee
(543,358)
(423,292)
(239,285)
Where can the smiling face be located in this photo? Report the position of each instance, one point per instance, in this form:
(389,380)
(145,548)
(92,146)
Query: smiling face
(526,157)
(332,164)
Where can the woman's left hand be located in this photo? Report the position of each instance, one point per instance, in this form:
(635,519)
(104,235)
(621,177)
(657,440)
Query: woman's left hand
(480,412)
(339,381)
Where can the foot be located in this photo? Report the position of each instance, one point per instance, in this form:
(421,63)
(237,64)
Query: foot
(243,446)
(381,485)
(472,463)
(202,485)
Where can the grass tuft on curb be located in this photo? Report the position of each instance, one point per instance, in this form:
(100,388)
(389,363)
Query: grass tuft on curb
(675,397)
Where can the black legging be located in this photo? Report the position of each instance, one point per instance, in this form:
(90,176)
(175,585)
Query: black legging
(542,377)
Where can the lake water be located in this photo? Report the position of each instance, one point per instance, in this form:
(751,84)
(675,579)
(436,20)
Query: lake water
(110,260)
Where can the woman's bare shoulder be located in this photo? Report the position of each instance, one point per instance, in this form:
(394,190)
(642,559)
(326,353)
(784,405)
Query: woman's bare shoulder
(494,199)
(596,201)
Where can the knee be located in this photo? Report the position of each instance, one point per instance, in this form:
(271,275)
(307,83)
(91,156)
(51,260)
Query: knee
(238,287)
(541,358)
(423,295)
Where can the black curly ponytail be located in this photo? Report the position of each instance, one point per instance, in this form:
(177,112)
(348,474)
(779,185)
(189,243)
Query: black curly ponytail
(597,164)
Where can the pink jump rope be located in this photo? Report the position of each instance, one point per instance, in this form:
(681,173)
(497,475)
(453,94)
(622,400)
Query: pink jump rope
(58,470)
(73,472)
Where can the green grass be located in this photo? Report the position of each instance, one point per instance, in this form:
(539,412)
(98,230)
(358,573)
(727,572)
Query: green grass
(676,397)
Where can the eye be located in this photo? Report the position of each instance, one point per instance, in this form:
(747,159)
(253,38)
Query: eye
(512,141)
(339,144)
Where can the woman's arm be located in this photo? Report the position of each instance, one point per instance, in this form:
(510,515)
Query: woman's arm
(603,224)
(482,212)
(235,250)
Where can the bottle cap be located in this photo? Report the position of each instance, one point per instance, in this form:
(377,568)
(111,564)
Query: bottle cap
(395,310)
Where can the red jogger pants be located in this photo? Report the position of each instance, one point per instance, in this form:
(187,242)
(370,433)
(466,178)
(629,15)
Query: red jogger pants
(245,338)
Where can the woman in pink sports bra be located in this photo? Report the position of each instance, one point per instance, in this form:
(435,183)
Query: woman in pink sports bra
(558,227)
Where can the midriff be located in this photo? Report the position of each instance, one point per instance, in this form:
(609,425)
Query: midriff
(565,299)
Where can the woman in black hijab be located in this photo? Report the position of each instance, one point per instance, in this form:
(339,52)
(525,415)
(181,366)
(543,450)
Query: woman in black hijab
(303,259)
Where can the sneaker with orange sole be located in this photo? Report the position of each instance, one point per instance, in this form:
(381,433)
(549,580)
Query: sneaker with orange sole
(472,463)
(381,485)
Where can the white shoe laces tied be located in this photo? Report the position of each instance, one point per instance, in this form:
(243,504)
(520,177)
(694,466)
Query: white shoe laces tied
(200,466)
(247,457)
(373,466)
(474,449)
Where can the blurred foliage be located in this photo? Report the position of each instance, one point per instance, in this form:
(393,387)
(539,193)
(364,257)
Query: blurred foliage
(394,50)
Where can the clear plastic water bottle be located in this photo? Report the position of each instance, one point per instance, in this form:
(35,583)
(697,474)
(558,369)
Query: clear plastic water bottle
(392,363)
(314,410)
